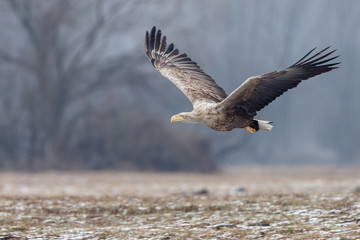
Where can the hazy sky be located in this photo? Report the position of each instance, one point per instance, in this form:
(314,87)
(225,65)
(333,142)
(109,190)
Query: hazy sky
(232,40)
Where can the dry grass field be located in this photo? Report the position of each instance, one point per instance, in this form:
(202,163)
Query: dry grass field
(244,203)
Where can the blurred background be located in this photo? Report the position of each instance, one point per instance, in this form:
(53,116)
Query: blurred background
(77,91)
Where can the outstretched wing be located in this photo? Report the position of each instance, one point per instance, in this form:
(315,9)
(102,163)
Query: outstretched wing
(258,91)
(181,71)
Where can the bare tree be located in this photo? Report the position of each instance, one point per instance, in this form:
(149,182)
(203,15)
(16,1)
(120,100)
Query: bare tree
(53,63)
(63,68)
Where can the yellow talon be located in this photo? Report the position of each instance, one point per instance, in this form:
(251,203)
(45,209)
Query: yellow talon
(250,129)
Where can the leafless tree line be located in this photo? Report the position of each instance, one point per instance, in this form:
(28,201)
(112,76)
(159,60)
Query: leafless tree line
(64,93)
(76,90)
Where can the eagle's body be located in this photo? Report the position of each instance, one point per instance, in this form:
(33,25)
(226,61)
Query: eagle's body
(211,104)
(213,116)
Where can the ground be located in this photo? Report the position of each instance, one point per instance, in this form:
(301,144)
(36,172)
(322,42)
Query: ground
(241,203)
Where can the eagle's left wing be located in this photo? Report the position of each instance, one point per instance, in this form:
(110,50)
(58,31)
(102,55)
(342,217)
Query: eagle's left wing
(257,92)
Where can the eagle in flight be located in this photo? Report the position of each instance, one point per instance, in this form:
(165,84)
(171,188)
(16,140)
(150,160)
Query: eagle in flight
(211,105)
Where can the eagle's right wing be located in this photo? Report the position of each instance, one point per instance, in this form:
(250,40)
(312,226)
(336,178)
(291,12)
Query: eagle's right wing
(181,71)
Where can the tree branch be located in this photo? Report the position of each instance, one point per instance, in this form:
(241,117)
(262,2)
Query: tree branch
(16,61)
(90,37)
(24,16)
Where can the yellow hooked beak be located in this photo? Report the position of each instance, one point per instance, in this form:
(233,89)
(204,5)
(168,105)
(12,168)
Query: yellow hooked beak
(176,118)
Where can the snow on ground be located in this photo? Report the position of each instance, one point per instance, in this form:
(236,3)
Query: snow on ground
(247,203)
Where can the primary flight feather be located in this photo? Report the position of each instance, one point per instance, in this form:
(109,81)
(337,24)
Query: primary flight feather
(212,106)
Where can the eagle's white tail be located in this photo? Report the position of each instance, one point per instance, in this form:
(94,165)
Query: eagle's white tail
(264,125)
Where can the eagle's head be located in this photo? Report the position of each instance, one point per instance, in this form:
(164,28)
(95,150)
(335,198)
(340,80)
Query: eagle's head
(185,117)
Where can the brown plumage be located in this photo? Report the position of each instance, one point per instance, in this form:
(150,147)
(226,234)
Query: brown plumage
(212,106)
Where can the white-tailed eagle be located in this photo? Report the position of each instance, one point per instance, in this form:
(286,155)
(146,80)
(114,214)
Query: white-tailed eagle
(212,106)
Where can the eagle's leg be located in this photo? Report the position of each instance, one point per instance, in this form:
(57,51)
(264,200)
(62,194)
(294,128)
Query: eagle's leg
(250,129)
(253,127)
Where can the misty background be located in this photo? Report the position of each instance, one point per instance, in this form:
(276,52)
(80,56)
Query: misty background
(77,91)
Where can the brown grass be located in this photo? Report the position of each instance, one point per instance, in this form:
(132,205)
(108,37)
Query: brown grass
(276,204)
